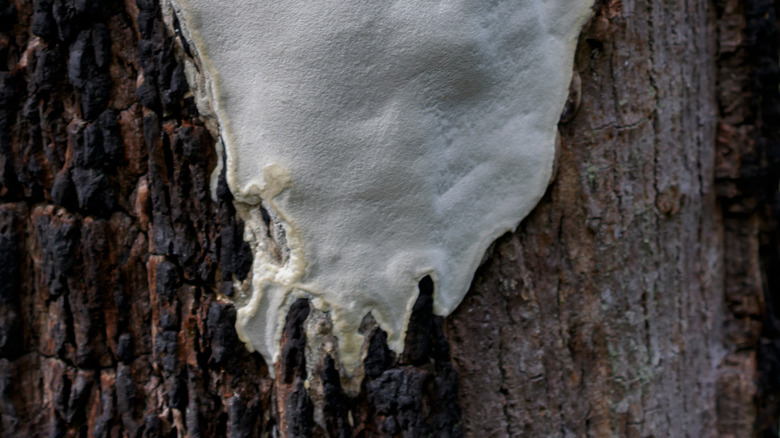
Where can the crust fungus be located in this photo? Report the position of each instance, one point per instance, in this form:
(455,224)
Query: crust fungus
(371,144)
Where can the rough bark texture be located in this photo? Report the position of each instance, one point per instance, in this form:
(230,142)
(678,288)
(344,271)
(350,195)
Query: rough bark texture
(639,299)
(602,314)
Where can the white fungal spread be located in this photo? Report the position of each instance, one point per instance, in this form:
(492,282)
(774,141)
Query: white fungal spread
(389,140)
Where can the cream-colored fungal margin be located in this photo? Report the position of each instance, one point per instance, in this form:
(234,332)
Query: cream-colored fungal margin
(386,140)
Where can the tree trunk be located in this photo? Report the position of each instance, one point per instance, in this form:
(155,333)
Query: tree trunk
(639,299)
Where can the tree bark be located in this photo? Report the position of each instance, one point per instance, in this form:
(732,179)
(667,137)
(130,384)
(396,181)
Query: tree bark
(638,299)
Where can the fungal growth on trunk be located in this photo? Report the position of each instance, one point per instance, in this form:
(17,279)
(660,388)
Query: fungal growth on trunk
(370,144)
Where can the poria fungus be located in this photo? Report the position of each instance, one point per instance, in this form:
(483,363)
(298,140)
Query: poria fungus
(371,144)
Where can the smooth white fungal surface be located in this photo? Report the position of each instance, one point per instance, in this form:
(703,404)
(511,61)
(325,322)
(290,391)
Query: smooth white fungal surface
(390,139)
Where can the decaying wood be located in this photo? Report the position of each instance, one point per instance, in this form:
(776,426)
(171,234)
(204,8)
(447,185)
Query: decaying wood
(639,299)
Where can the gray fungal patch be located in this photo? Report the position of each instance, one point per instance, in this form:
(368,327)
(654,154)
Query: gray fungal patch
(371,144)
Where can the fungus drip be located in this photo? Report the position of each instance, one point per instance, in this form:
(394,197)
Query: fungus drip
(371,144)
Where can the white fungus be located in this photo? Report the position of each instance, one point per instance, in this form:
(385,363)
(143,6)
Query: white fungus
(388,140)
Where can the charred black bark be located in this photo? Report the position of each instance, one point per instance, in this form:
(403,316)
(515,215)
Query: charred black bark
(761,179)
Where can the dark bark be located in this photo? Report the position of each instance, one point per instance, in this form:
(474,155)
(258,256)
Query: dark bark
(640,298)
